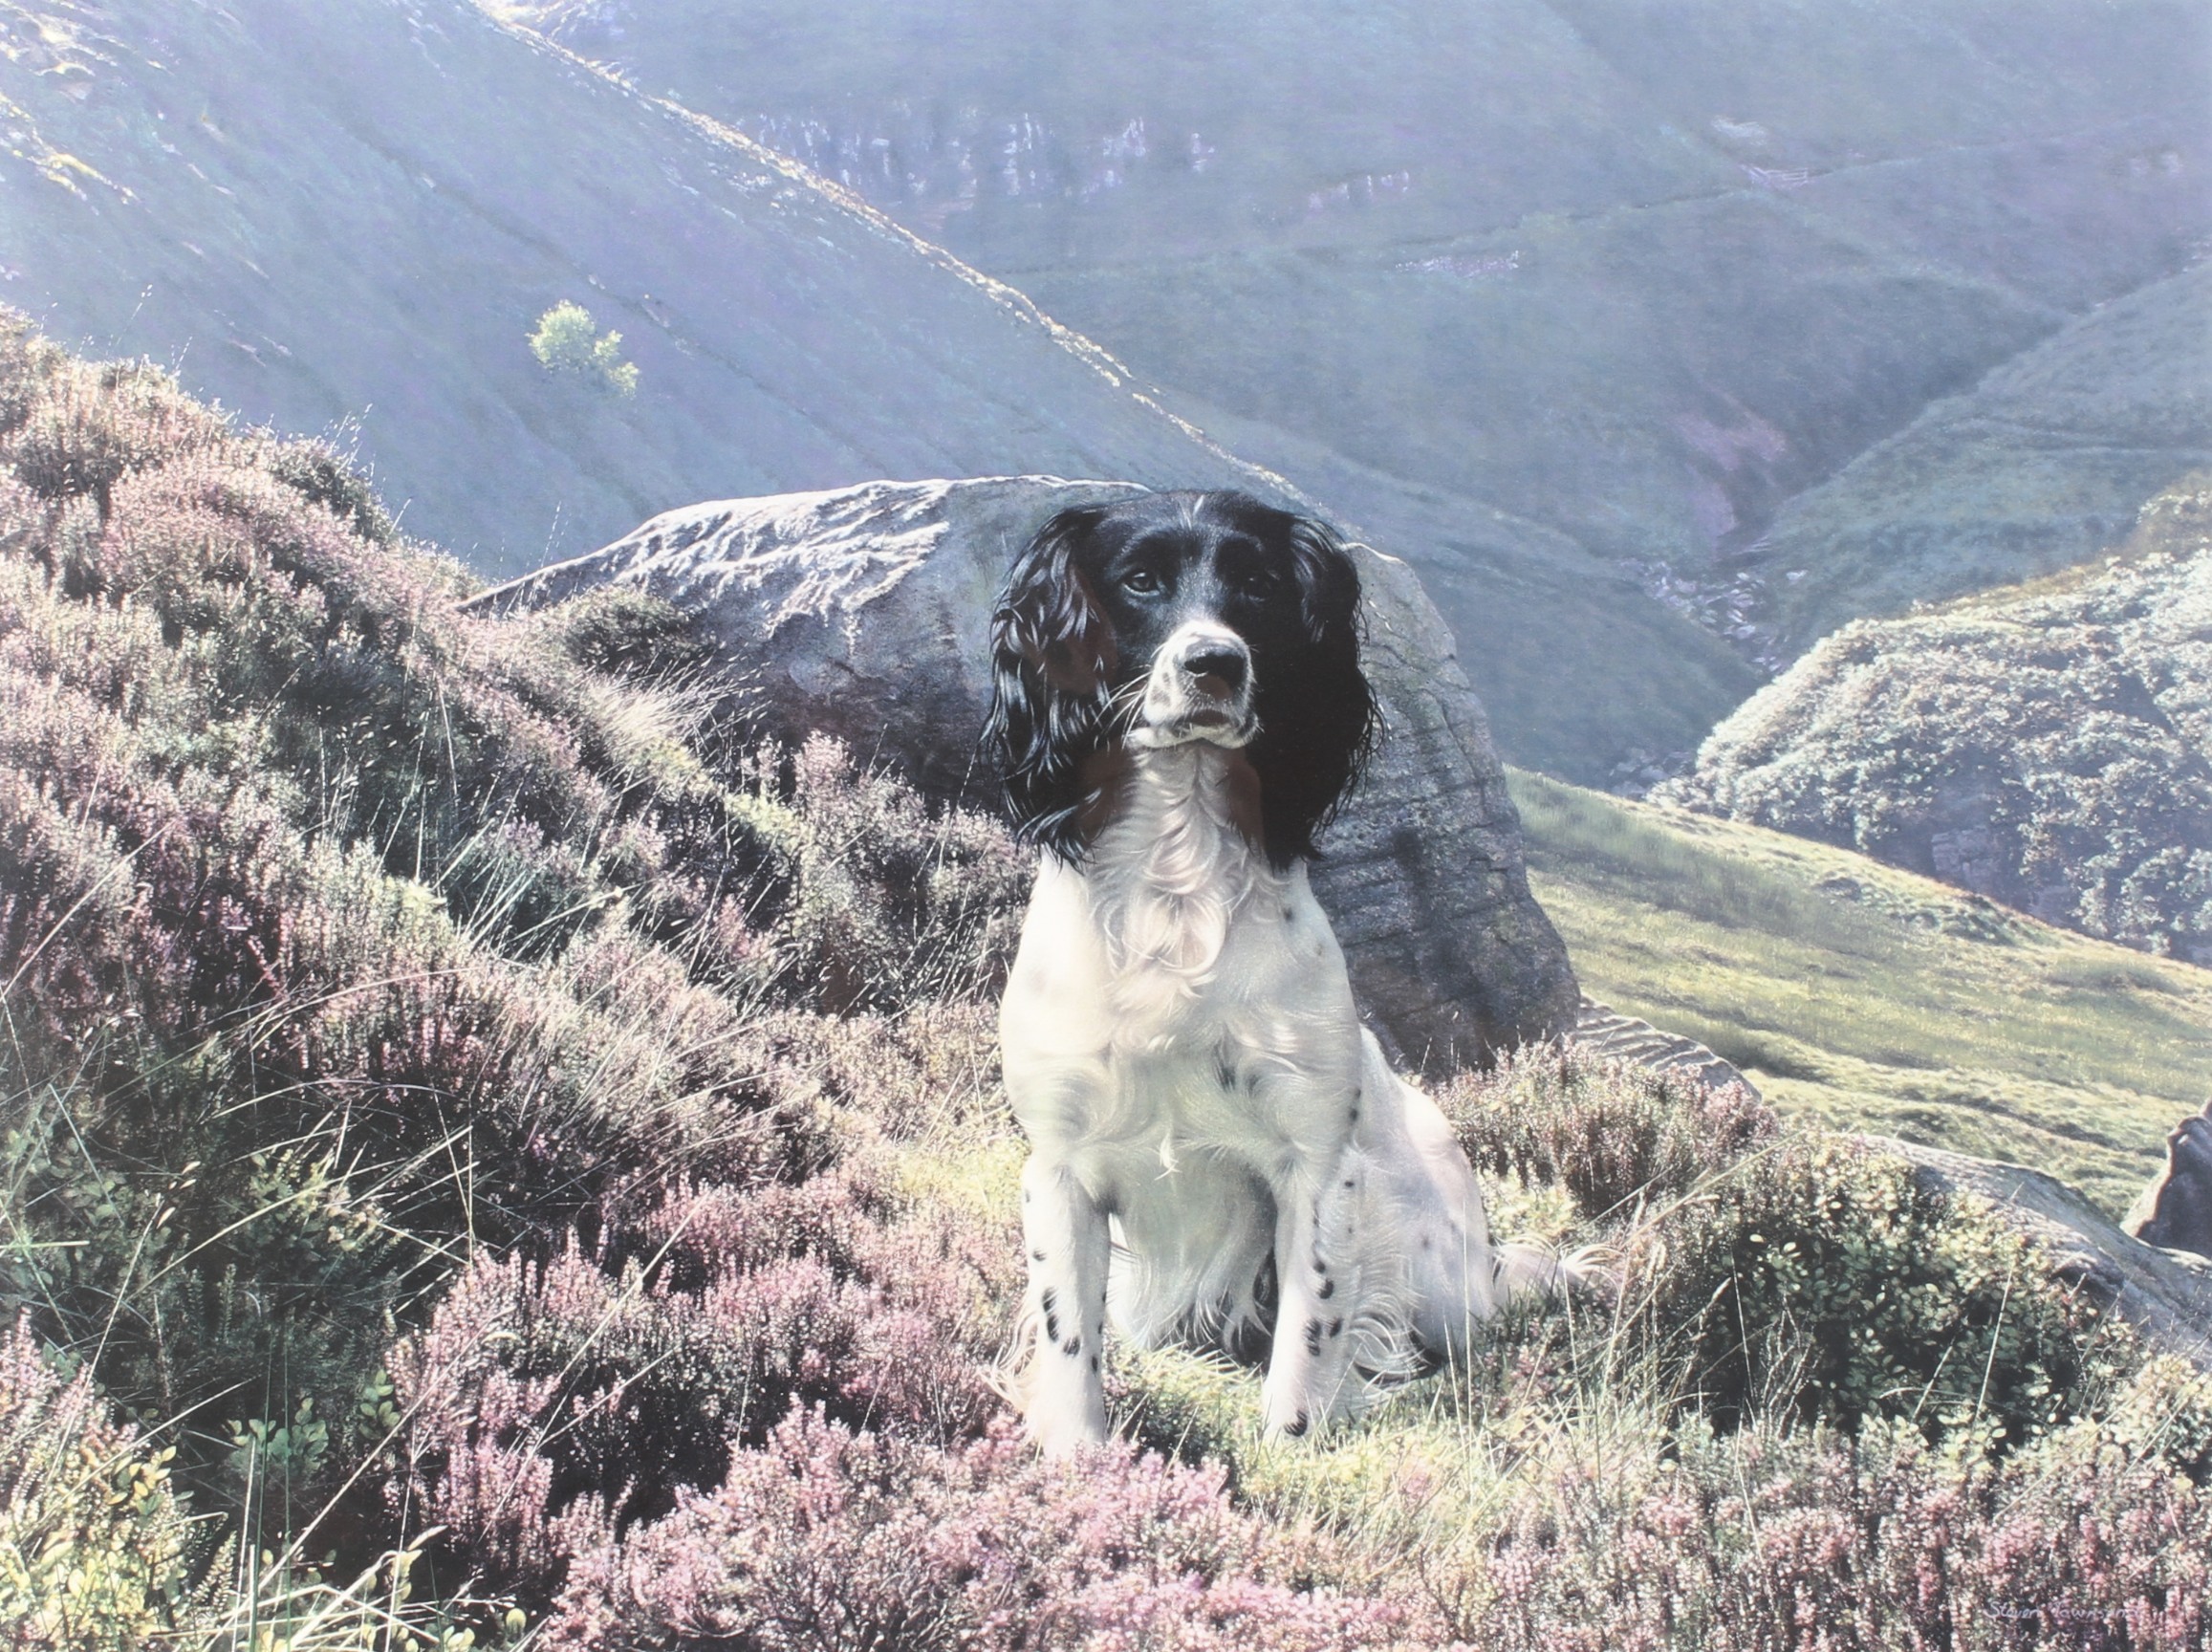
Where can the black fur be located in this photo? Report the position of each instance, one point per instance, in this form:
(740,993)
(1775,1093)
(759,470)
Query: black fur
(1065,637)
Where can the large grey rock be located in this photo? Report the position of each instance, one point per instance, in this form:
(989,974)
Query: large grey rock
(865,612)
(2166,1294)
(2175,1210)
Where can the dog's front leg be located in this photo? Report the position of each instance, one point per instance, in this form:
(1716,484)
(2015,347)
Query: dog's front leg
(1063,1394)
(1309,1369)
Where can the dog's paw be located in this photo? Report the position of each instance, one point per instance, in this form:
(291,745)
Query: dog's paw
(1287,1412)
(1062,1433)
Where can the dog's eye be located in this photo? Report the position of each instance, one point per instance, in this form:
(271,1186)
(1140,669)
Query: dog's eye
(1142,581)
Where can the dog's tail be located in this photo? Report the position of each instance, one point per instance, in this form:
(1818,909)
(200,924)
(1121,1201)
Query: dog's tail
(1536,1270)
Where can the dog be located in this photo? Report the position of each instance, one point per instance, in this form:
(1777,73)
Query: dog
(1215,1139)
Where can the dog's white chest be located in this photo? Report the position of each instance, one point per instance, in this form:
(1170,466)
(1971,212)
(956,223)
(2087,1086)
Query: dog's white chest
(1177,995)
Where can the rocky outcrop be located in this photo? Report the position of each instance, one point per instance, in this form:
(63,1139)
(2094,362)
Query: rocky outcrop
(2176,1209)
(864,612)
(2045,747)
(1604,1031)
(2164,1294)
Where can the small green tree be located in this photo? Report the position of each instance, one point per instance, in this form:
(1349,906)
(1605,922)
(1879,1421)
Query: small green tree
(565,342)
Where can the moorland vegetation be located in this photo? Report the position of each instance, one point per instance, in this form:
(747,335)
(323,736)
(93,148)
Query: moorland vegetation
(2042,745)
(497,1155)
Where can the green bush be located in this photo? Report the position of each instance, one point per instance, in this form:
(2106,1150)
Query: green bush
(564,341)
(1827,1276)
(1796,1273)
(96,1550)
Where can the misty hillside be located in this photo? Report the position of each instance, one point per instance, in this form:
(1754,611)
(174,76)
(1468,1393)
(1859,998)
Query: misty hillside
(1636,274)
(2042,466)
(350,215)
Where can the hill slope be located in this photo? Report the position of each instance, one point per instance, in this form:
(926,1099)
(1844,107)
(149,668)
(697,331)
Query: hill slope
(350,215)
(526,1167)
(1639,275)
(2042,465)
(1869,998)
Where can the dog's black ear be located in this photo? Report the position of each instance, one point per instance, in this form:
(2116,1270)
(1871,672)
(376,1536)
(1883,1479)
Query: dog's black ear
(1317,715)
(1052,660)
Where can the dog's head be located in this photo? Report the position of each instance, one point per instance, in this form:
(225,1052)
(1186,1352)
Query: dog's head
(1168,618)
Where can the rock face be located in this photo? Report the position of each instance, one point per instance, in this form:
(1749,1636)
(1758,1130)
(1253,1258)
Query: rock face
(2176,1209)
(864,612)
(2162,1294)
(1604,1031)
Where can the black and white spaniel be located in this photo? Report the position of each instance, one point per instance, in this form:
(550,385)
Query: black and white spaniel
(1178,711)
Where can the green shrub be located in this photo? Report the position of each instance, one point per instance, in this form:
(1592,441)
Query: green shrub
(1826,1277)
(1796,1273)
(564,341)
(96,1550)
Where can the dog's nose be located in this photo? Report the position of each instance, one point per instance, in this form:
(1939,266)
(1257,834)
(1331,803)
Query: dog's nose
(1218,660)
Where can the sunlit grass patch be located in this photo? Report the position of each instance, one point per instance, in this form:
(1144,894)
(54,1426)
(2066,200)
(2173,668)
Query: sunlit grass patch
(1869,998)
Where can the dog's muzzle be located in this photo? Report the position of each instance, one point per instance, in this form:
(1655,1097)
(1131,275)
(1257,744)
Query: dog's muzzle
(1200,689)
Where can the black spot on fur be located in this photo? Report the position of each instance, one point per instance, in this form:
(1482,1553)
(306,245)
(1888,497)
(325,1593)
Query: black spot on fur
(1320,1266)
(1227,1074)
(1312,1335)
(1428,1242)
(1050,1303)
(1337,1327)
(1036,1256)
(1297,1426)
(1328,1289)
(1350,1181)
(1289,916)
(1094,1362)
(1071,1347)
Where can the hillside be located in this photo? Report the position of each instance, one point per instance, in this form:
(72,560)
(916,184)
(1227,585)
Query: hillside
(347,218)
(1640,275)
(200,185)
(2041,465)
(1868,998)
(498,1156)
(2043,745)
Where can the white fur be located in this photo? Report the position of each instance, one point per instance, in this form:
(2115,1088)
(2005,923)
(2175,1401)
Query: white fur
(1182,1049)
